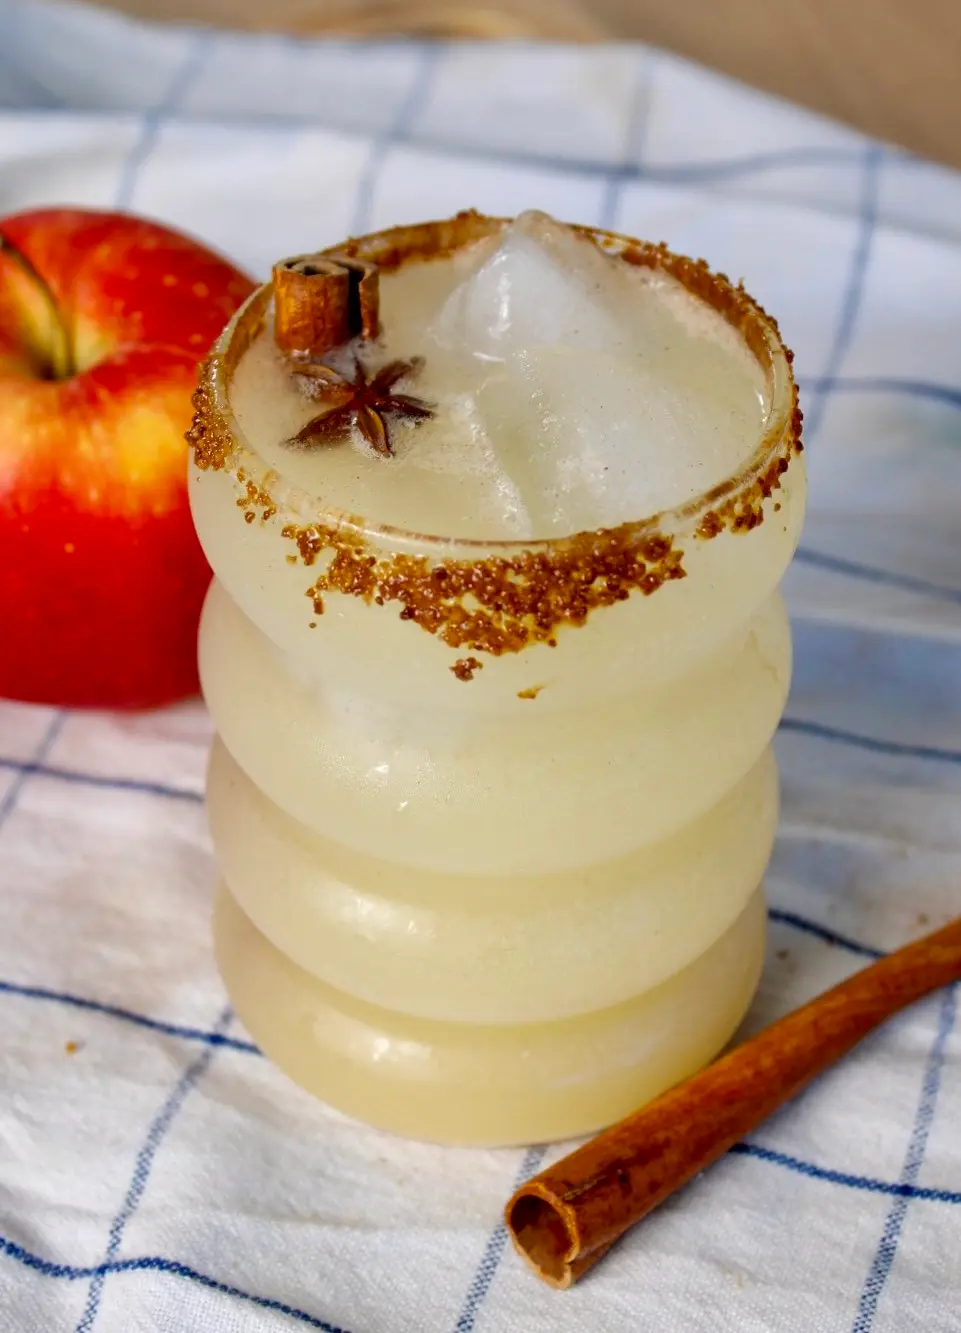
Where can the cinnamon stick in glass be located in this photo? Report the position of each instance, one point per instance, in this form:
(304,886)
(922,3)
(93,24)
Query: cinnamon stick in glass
(322,302)
(566,1218)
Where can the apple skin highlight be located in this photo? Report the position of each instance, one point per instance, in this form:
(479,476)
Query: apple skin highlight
(103,320)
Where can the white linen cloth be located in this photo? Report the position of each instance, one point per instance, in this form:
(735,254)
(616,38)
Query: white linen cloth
(155,1172)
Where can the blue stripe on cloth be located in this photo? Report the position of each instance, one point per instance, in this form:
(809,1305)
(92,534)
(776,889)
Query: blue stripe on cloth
(153,120)
(854,289)
(633,143)
(705,171)
(155,1264)
(822,933)
(751,164)
(857,740)
(917,1146)
(856,569)
(143,1165)
(493,1251)
(897,1189)
(838,735)
(422,80)
(26,768)
(186,1033)
(679,173)
(128,1016)
(907,388)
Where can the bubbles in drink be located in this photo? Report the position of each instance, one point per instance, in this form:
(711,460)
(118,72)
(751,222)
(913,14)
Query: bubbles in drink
(570,390)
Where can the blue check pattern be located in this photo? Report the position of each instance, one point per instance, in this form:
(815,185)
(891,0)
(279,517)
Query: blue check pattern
(155,1172)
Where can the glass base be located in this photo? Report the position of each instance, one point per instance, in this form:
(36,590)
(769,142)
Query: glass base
(492,1085)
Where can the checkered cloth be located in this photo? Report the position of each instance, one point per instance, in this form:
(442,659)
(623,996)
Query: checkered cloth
(155,1172)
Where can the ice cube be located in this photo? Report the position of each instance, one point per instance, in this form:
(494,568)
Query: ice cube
(540,285)
(607,392)
(590,440)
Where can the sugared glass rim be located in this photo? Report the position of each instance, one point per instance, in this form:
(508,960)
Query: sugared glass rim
(734,503)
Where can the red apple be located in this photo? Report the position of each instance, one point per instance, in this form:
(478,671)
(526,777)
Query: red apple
(103,318)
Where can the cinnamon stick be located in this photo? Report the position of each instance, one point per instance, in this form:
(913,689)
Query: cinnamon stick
(567,1218)
(322,302)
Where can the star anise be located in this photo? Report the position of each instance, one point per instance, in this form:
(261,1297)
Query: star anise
(360,400)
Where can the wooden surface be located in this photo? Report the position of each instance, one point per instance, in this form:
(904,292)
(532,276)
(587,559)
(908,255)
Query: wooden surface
(891,67)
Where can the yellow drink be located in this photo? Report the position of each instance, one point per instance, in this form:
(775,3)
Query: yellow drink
(492,807)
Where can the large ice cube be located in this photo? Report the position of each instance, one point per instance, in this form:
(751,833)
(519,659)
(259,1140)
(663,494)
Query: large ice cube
(589,439)
(540,285)
(605,392)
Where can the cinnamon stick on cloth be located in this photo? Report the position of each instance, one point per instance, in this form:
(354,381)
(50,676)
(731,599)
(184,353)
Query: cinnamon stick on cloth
(570,1215)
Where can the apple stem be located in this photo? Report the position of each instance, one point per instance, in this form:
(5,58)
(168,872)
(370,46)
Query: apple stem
(60,361)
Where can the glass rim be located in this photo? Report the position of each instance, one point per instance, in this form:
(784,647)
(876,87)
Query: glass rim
(736,502)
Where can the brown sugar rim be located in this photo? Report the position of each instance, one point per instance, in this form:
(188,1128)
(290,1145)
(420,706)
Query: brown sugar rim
(509,595)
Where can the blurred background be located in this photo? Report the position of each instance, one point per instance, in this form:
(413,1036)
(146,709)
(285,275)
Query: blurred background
(889,67)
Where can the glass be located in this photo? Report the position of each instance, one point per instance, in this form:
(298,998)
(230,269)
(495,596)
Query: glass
(493,897)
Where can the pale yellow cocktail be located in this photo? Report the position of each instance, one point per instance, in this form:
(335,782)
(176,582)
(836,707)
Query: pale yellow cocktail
(492,805)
